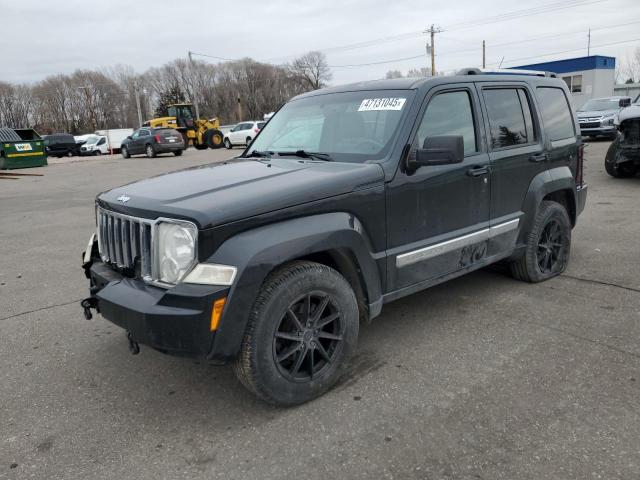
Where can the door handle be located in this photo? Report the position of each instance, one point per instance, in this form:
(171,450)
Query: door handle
(478,170)
(539,157)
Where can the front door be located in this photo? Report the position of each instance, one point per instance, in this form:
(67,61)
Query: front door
(438,216)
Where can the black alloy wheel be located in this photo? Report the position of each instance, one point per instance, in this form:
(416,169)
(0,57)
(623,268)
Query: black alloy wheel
(308,337)
(551,248)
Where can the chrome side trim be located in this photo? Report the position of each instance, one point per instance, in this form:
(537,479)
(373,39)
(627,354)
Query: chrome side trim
(438,249)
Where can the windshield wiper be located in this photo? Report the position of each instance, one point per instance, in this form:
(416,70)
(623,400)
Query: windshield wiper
(304,154)
(259,154)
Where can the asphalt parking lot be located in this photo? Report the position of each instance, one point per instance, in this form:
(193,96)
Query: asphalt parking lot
(483,377)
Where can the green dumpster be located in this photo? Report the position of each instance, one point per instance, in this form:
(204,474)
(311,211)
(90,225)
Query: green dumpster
(21,148)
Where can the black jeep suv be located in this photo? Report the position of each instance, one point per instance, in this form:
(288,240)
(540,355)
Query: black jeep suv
(349,198)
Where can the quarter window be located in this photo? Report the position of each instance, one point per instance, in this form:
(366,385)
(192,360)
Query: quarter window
(449,113)
(556,113)
(510,118)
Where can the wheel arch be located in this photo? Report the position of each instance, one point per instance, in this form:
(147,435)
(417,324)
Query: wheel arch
(334,239)
(557,184)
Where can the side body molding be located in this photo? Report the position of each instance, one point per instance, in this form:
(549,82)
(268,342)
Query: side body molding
(259,251)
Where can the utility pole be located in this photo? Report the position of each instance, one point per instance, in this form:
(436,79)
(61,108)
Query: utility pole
(193,99)
(136,88)
(484,54)
(432,30)
(589,43)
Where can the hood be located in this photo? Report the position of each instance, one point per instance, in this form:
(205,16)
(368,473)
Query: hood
(220,193)
(597,113)
(628,113)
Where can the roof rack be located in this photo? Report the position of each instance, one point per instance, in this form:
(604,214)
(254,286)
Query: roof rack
(505,71)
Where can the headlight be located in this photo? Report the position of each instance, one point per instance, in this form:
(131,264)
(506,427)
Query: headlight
(176,250)
(607,121)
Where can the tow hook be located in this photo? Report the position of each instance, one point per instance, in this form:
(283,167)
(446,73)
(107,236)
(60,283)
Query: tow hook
(87,304)
(134,347)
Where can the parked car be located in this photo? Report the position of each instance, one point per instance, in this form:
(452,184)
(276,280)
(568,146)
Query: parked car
(152,141)
(596,117)
(243,133)
(623,156)
(351,197)
(95,145)
(61,145)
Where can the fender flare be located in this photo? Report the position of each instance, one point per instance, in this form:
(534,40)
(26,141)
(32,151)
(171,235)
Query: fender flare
(559,179)
(257,252)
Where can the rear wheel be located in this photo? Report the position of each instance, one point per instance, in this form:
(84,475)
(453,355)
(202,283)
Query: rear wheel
(213,138)
(178,153)
(97,153)
(548,245)
(248,141)
(302,330)
(150,151)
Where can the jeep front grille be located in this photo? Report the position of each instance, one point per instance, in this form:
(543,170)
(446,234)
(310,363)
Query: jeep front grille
(123,241)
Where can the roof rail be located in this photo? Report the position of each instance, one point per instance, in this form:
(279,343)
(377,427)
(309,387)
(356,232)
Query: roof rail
(505,71)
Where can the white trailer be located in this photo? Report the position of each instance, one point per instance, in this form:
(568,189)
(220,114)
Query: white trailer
(115,136)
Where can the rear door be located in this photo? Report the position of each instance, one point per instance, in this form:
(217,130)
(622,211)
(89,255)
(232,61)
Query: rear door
(517,155)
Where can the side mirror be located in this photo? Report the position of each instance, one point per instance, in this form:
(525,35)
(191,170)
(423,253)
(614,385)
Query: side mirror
(440,150)
(129,137)
(624,102)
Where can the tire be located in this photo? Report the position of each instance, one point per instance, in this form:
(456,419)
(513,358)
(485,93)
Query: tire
(97,153)
(248,141)
(200,146)
(548,245)
(618,170)
(178,153)
(124,151)
(274,330)
(227,144)
(69,154)
(213,138)
(150,151)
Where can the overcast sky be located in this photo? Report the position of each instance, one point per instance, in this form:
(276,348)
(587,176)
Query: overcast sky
(41,38)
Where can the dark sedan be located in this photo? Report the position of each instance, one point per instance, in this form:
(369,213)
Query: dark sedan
(152,141)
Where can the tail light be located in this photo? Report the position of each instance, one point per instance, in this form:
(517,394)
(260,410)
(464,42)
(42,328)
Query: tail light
(256,129)
(580,167)
(158,138)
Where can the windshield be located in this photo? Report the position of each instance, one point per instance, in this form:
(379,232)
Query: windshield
(350,126)
(600,104)
(92,140)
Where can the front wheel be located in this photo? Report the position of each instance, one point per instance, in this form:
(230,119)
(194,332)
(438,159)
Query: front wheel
(124,151)
(548,244)
(227,144)
(302,330)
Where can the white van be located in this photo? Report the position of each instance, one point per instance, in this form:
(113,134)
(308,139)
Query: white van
(95,145)
(115,136)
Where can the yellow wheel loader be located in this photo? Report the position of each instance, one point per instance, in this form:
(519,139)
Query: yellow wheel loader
(201,133)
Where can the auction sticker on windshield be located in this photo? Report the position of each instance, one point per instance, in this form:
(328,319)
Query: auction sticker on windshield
(373,104)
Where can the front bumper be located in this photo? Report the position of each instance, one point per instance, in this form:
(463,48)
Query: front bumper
(174,321)
(609,131)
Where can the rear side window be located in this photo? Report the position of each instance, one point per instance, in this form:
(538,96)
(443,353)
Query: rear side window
(556,113)
(449,113)
(261,125)
(510,117)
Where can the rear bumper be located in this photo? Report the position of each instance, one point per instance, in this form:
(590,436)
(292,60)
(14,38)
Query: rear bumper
(581,199)
(168,147)
(174,321)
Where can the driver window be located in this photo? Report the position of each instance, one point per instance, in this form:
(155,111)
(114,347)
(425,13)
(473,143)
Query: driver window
(449,113)
(136,134)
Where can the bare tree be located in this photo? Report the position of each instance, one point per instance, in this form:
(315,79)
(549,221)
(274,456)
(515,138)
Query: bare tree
(312,69)
(631,66)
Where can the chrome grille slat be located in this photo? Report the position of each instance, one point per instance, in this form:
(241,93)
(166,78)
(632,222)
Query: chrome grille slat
(123,240)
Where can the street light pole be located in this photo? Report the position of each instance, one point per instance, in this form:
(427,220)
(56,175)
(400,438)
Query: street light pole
(136,88)
(193,99)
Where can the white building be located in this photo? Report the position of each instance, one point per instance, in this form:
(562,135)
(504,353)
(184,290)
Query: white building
(587,77)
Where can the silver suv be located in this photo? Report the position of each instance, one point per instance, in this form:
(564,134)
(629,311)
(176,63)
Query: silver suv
(596,117)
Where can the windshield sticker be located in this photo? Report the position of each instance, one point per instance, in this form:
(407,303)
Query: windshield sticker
(373,104)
